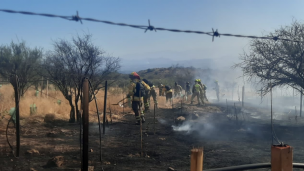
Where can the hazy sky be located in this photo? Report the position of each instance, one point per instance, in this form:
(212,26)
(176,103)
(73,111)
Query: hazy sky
(248,17)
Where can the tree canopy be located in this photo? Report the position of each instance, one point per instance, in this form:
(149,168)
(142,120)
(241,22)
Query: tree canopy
(277,61)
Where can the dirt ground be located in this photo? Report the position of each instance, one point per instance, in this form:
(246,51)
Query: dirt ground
(226,142)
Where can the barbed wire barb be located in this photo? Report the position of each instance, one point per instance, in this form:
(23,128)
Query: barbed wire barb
(151,28)
(215,34)
(76,17)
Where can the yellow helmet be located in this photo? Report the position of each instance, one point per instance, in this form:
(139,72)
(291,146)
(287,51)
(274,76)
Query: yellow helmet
(199,80)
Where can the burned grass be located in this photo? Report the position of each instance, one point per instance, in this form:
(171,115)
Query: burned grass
(225,142)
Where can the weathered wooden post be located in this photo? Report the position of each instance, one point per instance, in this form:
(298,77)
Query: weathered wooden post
(261,95)
(14,81)
(154,116)
(123,104)
(301,102)
(41,87)
(105,108)
(47,88)
(281,157)
(196,163)
(243,92)
(85,152)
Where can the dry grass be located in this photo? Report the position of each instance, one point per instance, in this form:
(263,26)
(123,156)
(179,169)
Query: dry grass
(49,105)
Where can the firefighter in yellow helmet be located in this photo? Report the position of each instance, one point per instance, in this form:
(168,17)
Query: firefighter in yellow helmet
(136,92)
(196,89)
(203,91)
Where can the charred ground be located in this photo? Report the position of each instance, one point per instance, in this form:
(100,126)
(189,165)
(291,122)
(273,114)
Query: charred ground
(225,142)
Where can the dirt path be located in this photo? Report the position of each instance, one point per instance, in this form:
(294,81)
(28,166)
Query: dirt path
(225,142)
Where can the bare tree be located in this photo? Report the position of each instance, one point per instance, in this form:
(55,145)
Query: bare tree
(19,60)
(70,62)
(280,62)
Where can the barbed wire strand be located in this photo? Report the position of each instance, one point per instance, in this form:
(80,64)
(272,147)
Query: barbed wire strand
(149,27)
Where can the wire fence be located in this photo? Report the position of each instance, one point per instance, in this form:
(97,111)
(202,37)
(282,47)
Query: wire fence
(146,27)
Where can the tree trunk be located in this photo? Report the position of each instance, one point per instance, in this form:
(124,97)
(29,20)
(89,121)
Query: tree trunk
(77,109)
(77,96)
(72,112)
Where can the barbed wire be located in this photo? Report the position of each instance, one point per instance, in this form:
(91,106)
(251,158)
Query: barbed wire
(146,28)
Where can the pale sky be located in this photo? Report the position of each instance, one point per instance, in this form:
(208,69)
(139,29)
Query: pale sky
(247,17)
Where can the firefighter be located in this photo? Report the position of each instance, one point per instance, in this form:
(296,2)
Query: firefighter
(202,91)
(169,94)
(152,92)
(136,92)
(146,96)
(196,89)
(160,87)
(187,91)
(217,90)
(177,90)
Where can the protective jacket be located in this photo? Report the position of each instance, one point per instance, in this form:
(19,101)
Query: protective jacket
(166,89)
(134,89)
(196,88)
(178,88)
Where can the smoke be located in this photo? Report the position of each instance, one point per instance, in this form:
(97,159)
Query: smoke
(203,126)
(185,127)
(162,121)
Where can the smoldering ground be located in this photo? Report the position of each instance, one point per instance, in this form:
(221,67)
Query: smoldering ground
(252,130)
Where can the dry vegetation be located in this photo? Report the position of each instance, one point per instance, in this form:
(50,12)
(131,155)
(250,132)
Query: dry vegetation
(48,105)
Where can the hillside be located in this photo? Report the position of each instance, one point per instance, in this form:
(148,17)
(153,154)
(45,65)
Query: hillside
(169,75)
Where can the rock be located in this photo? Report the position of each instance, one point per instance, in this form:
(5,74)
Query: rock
(56,161)
(49,118)
(91,168)
(51,134)
(170,169)
(106,163)
(180,120)
(194,116)
(32,151)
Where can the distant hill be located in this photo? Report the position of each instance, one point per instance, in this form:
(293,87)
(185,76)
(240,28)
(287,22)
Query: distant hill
(129,65)
(170,75)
